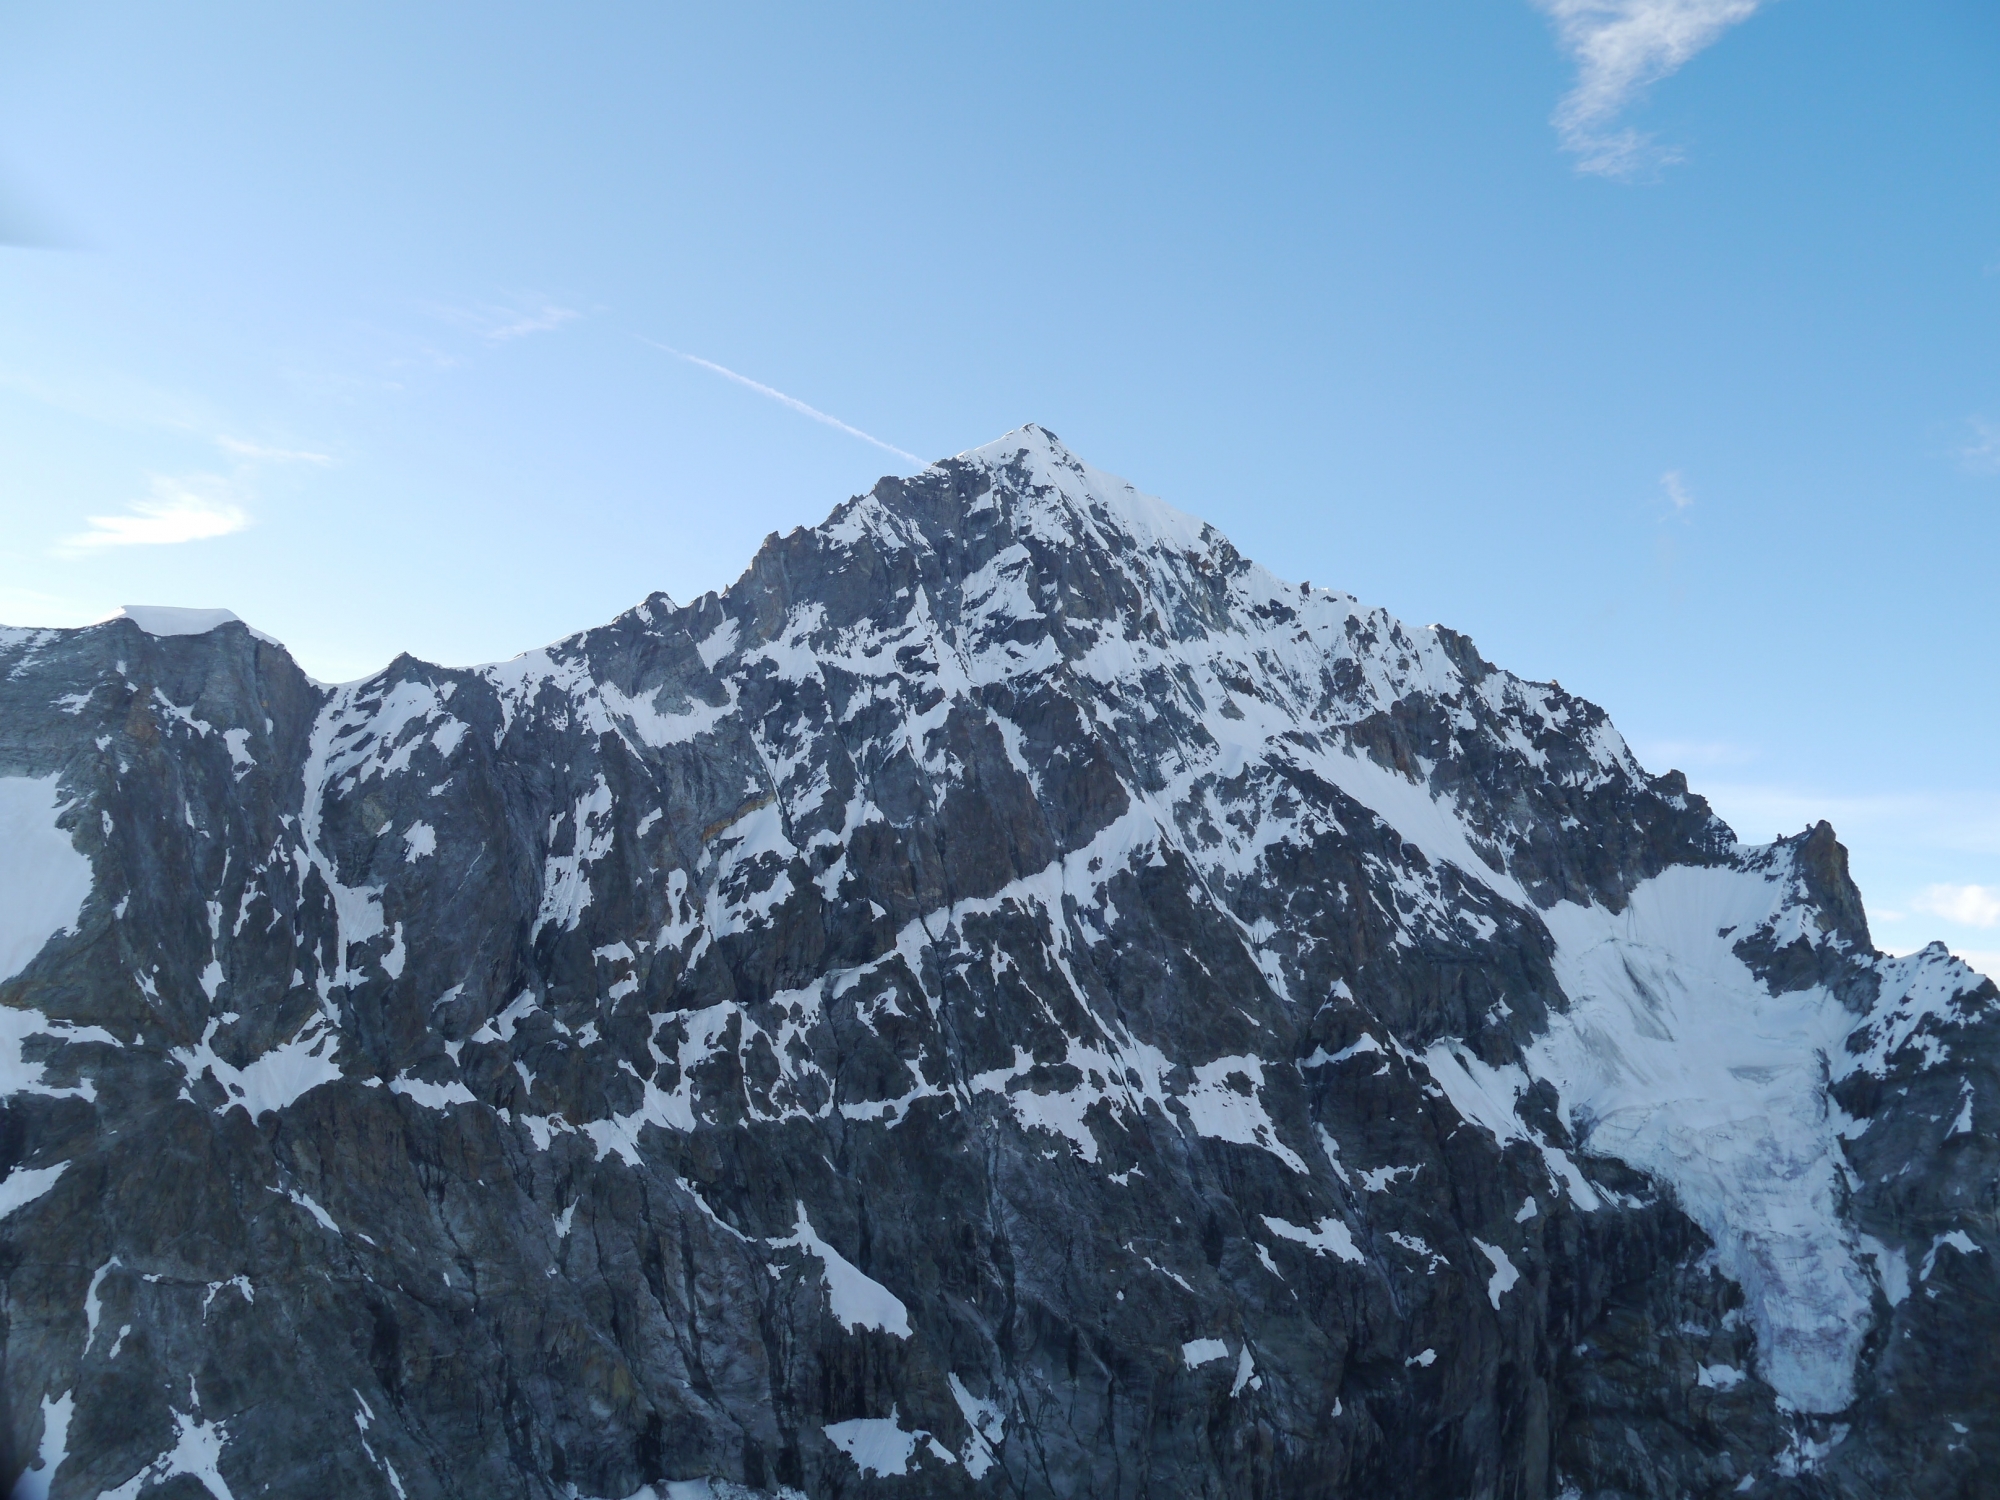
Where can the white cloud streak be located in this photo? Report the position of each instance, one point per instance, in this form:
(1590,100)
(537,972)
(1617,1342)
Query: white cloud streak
(180,510)
(1621,47)
(779,396)
(1676,490)
(258,452)
(1970,905)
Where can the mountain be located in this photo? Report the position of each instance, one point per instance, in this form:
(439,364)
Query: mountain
(1008,998)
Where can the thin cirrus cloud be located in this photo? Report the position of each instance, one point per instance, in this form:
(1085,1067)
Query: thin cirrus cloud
(1970,905)
(1621,47)
(179,510)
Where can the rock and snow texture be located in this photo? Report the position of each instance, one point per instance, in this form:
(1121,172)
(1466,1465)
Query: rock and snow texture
(1010,997)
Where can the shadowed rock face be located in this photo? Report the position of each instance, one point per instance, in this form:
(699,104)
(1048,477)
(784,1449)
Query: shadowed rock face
(1008,998)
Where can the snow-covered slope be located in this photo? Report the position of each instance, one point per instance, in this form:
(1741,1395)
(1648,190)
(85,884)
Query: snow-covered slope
(1007,976)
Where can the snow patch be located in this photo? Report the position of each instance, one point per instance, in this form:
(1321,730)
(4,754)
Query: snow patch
(18,1075)
(881,1446)
(1504,1273)
(50,1452)
(1199,1352)
(432,1095)
(988,1424)
(1329,1234)
(857,1300)
(93,1309)
(271,1082)
(196,1453)
(44,880)
(1957,1239)
(1246,1374)
(1220,1108)
(320,1215)
(24,1185)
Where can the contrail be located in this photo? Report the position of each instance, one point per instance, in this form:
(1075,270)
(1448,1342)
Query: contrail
(792,401)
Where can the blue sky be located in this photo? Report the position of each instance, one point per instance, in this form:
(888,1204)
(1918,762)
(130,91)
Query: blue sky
(1650,342)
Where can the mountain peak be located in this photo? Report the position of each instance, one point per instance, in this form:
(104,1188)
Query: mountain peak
(1028,438)
(1044,470)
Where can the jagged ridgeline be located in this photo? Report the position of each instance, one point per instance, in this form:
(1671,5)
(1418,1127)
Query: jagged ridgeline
(1008,998)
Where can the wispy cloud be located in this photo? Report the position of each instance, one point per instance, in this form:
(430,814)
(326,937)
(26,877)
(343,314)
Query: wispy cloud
(1621,47)
(779,396)
(1971,905)
(1982,454)
(180,510)
(547,320)
(498,323)
(258,453)
(1672,516)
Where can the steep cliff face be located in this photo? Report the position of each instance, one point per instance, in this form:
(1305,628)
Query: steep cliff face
(1008,998)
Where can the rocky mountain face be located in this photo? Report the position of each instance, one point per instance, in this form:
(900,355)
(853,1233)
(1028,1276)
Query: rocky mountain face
(1009,998)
